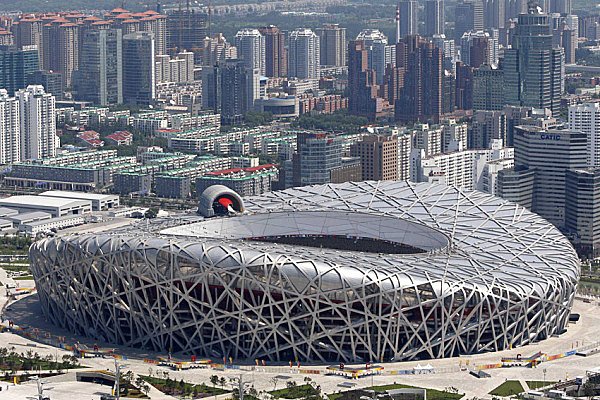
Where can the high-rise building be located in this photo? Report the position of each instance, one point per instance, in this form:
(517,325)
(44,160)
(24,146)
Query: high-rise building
(16,66)
(448,92)
(455,136)
(515,116)
(51,81)
(216,49)
(376,44)
(211,87)
(468,16)
(317,156)
(178,69)
(28,32)
(139,74)
(449,55)
(582,211)
(464,86)
(409,17)
(333,45)
(6,37)
(251,48)
(156,24)
(488,88)
(231,89)
(240,89)
(275,52)
(429,138)
(38,123)
(533,69)
(10,131)
(378,157)
(362,83)
(494,13)
(186,29)
(421,97)
(566,37)
(560,6)
(304,55)
(487,126)
(434,17)
(586,118)
(512,10)
(99,78)
(60,43)
(148,21)
(542,159)
(478,48)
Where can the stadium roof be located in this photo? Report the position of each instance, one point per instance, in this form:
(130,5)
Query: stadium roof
(491,242)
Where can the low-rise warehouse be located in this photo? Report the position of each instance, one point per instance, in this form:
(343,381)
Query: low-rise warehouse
(55,206)
(100,202)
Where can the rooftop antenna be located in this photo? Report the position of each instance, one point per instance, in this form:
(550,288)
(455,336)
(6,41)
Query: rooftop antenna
(209,18)
(180,26)
(398,24)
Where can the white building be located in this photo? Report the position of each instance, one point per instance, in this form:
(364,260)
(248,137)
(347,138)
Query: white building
(586,118)
(38,123)
(251,48)
(179,69)
(52,224)
(57,207)
(100,202)
(304,54)
(10,131)
(487,181)
(455,136)
(466,169)
(430,139)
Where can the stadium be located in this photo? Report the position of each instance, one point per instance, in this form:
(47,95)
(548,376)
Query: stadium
(353,272)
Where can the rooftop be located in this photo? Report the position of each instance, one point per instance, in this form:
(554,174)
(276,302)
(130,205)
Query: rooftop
(78,195)
(44,201)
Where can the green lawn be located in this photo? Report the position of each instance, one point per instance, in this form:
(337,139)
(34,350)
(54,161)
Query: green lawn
(538,384)
(14,267)
(295,392)
(178,388)
(23,278)
(508,388)
(432,394)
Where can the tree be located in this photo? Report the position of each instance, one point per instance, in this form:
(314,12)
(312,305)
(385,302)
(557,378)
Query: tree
(223,382)
(588,390)
(139,381)
(252,392)
(258,118)
(274,381)
(214,380)
(151,213)
(145,388)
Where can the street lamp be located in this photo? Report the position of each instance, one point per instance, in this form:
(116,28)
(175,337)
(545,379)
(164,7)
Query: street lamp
(117,379)
(544,371)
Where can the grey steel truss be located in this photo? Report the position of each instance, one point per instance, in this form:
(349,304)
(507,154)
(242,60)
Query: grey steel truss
(490,275)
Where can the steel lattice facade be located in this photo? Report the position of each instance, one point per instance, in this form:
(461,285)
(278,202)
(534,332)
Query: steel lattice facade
(491,275)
